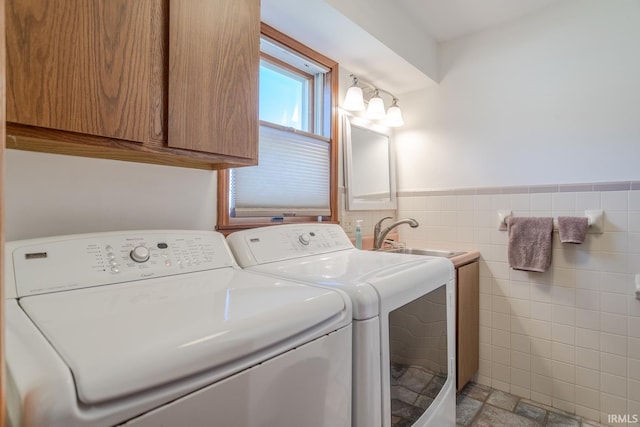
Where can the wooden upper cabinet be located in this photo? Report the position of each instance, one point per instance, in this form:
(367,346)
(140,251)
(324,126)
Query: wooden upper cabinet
(158,81)
(81,66)
(212,47)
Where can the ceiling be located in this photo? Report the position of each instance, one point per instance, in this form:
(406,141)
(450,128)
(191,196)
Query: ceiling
(449,19)
(390,42)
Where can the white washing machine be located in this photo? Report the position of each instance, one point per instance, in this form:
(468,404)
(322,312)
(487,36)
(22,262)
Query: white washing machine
(403,317)
(162,328)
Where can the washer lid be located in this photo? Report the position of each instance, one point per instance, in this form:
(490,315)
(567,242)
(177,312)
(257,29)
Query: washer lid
(352,271)
(126,338)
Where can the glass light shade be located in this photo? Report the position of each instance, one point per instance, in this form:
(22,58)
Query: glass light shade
(375,110)
(394,116)
(354,101)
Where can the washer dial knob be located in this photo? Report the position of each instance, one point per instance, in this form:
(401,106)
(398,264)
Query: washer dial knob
(304,239)
(140,254)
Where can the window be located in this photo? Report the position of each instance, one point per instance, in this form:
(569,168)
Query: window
(295,180)
(284,95)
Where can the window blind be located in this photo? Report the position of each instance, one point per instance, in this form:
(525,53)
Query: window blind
(291,179)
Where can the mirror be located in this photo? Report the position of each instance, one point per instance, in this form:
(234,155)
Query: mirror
(369,166)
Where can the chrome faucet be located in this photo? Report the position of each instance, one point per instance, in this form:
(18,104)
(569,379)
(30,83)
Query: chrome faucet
(380,235)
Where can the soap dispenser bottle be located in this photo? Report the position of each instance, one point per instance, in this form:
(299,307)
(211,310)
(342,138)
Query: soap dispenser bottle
(359,234)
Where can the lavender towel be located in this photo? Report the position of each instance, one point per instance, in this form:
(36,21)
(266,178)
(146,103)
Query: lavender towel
(530,243)
(572,229)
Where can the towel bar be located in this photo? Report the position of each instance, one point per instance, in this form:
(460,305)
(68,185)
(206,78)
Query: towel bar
(595,218)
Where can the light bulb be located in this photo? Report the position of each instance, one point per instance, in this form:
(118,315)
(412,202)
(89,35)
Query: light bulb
(353,101)
(375,110)
(394,115)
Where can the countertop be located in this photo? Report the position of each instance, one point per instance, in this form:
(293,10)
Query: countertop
(465,258)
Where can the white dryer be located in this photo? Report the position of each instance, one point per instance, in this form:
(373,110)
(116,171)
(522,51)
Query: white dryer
(403,317)
(150,328)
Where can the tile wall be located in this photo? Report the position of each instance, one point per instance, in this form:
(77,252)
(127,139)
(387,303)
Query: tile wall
(570,337)
(369,218)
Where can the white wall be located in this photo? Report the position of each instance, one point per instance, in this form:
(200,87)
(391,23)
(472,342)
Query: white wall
(551,98)
(390,25)
(49,194)
(384,53)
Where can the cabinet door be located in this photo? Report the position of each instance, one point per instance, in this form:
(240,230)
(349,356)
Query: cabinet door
(82,66)
(468,329)
(214,58)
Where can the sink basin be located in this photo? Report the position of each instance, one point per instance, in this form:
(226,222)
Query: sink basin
(425,252)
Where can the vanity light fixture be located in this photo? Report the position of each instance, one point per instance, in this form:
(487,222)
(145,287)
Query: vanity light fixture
(375,110)
(394,114)
(362,91)
(354,100)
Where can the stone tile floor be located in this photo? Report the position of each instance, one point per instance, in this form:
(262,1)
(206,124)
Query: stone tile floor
(482,406)
(413,389)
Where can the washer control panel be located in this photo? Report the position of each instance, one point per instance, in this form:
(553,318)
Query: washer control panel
(68,262)
(280,242)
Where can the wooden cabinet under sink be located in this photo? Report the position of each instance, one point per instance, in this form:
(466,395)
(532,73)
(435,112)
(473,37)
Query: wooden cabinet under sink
(467,322)
(159,81)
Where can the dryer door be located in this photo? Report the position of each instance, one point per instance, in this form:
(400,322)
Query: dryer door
(418,355)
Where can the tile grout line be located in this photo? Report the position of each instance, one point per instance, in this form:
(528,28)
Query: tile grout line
(519,400)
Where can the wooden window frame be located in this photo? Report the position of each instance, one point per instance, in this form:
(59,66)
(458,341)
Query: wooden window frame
(224,223)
